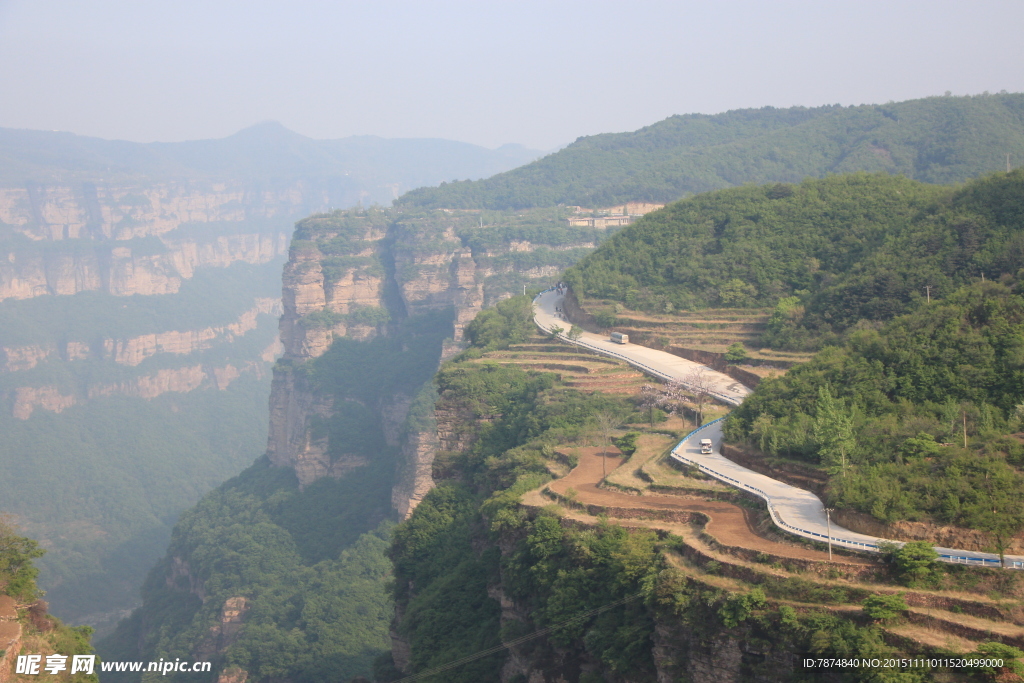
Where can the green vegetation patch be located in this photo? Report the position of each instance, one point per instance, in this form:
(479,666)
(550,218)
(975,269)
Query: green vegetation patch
(826,253)
(912,421)
(935,140)
(311,566)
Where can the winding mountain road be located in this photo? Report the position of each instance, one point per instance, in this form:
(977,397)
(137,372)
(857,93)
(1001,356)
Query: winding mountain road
(793,509)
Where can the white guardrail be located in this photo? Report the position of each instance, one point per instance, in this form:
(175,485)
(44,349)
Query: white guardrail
(813,535)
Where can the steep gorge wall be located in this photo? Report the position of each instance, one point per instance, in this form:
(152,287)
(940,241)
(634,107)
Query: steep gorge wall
(405,267)
(62,241)
(113,295)
(140,238)
(133,350)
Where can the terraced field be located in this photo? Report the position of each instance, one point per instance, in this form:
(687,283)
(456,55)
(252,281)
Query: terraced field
(726,542)
(713,329)
(580,370)
(724,546)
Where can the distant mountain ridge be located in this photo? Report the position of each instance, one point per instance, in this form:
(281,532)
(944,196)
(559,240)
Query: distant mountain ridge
(267,152)
(936,140)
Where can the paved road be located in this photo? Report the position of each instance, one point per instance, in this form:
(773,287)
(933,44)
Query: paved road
(657,363)
(795,510)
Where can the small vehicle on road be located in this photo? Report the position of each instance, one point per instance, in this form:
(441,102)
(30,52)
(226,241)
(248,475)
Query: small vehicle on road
(620,338)
(706,446)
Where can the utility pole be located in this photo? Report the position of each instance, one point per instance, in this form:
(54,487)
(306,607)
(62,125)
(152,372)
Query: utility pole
(928,292)
(828,523)
(965,428)
(1007,162)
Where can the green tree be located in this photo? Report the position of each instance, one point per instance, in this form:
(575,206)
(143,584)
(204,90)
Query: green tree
(575,332)
(736,292)
(884,607)
(736,353)
(510,322)
(1009,655)
(1001,513)
(605,319)
(916,563)
(833,429)
(17,573)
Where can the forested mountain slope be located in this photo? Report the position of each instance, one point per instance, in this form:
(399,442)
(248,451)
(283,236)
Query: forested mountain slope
(578,589)
(359,436)
(826,253)
(918,421)
(934,140)
(912,409)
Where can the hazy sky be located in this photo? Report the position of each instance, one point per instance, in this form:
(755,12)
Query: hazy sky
(538,73)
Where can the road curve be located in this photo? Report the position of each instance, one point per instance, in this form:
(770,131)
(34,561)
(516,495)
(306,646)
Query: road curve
(793,509)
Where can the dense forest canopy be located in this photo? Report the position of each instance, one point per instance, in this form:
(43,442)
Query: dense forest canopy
(914,421)
(934,140)
(913,294)
(827,253)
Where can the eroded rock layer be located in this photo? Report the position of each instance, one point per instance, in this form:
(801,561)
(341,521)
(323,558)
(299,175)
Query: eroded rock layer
(362,275)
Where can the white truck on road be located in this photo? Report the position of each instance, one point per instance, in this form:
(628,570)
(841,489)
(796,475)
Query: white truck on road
(706,447)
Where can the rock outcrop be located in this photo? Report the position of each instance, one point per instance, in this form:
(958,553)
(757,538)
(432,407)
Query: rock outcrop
(10,637)
(225,632)
(133,350)
(357,275)
(134,240)
(414,479)
(26,400)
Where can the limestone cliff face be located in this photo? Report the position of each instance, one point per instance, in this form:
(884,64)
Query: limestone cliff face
(347,274)
(128,270)
(140,239)
(87,238)
(133,350)
(25,400)
(99,211)
(137,349)
(415,478)
(423,264)
(320,301)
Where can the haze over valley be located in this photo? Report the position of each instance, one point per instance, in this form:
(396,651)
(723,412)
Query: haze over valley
(728,388)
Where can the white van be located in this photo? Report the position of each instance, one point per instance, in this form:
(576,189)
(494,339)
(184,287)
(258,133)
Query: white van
(620,338)
(706,446)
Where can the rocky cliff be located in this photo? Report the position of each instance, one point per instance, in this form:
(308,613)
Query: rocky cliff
(358,275)
(120,294)
(139,297)
(135,239)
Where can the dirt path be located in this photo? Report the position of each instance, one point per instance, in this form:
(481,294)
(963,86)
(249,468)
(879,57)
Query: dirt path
(730,524)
